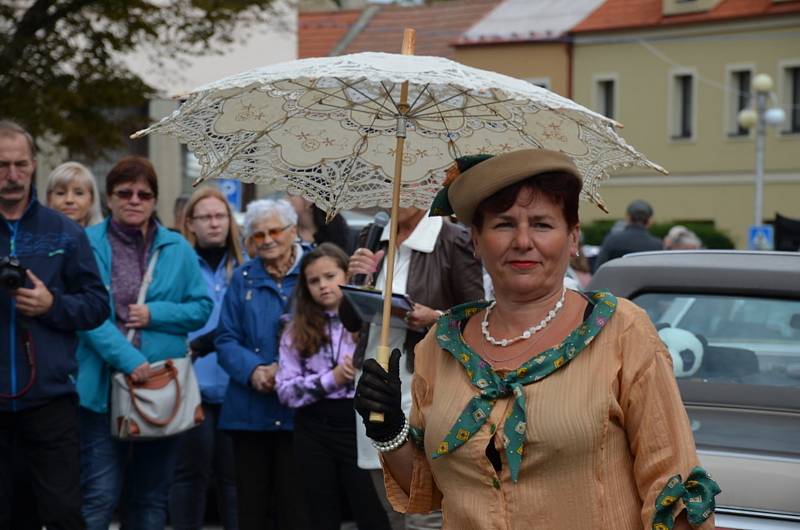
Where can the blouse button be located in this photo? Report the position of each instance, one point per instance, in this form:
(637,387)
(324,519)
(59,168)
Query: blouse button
(495,483)
(257,350)
(277,423)
(492,428)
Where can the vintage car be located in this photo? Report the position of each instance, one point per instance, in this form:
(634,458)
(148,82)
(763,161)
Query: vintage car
(731,320)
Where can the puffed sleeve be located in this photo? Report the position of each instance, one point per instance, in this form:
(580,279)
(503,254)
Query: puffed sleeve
(424,496)
(666,467)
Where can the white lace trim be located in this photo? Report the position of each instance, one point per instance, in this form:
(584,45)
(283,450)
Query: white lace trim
(325,127)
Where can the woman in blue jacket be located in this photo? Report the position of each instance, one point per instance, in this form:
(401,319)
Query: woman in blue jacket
(247,345)
(207,452)
(176,303)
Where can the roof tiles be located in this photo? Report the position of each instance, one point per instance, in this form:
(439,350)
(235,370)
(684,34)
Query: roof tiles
(438,26)
(318,32)
(639,14)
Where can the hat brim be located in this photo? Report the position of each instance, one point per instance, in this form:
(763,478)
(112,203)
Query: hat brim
(490,176)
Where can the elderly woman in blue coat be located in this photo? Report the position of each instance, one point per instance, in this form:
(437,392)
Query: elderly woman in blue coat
(176,303)
(247,346)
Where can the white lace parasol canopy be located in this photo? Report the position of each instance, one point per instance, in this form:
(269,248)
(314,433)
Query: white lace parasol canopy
(326,128)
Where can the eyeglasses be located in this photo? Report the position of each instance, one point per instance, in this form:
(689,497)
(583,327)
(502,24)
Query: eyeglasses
(208,217)
(126,195)
(259,237)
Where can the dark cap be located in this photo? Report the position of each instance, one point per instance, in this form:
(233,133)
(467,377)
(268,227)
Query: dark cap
(640,211)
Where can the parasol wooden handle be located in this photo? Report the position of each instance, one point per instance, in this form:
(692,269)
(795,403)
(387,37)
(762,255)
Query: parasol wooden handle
(382,354)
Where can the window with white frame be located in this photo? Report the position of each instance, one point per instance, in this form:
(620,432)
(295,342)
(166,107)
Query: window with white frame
(606,97)
(683,101)
(791,98)
(739,81)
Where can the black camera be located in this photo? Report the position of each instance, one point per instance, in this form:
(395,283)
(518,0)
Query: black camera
(12,273)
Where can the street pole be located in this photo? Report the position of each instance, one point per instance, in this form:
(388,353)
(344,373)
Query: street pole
(761,129)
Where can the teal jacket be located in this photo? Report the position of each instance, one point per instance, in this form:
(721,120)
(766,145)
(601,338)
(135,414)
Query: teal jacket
(178,302)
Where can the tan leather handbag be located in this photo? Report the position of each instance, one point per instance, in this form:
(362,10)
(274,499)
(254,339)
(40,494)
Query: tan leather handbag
(166,404)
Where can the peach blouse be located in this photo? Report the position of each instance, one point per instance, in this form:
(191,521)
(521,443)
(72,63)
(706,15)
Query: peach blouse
(604,435)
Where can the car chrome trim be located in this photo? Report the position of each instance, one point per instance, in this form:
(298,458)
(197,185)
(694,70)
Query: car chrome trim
(729,510)
(747,456)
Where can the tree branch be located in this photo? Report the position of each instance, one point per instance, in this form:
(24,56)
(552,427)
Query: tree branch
(35,19)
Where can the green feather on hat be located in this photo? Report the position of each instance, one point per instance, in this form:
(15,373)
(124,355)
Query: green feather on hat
(441,206)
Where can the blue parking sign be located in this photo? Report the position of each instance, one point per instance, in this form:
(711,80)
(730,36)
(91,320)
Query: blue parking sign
(232,189)
(761,237)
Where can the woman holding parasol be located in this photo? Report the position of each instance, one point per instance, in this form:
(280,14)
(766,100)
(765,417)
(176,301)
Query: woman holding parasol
(546,404)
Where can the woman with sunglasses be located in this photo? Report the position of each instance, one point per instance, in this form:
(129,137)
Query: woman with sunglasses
(176,303)
(268,495)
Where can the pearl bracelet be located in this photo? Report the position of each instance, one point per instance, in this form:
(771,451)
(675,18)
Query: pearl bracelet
(396,442)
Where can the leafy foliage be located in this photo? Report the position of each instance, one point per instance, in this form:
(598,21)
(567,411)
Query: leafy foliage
(712,237)
(62,66)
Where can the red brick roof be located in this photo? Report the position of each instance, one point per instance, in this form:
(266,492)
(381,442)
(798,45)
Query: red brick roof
(639,14)
(438,26)
(318,32)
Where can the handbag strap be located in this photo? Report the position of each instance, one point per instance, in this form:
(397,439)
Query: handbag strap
(172,372)
(146,281)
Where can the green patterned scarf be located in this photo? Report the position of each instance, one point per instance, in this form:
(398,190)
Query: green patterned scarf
(493,386)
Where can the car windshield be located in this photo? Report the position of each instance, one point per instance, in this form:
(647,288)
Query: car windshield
(742,339)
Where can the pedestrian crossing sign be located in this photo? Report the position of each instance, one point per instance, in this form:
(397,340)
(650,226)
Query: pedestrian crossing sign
(761,237)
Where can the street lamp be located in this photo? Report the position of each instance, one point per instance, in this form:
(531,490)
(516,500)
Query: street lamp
(760,118)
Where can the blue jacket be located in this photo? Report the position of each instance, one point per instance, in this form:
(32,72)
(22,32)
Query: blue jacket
(178,303)
(213,380)
(57,251)
(247,336)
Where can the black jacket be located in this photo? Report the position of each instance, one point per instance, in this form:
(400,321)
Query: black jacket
(57,251)
(632,238)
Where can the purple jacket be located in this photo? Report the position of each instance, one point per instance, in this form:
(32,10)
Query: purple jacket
(300,382)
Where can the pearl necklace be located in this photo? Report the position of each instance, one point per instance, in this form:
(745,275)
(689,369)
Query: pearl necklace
(528,333)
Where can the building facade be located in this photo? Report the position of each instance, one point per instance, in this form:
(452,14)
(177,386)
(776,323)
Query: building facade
(676,74)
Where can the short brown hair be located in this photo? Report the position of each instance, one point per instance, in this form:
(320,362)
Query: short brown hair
(560,187)
(132,169)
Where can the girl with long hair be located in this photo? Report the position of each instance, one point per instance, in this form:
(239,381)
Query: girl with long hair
(316,378)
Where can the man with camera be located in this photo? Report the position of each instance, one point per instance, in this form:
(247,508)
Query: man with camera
(49,289)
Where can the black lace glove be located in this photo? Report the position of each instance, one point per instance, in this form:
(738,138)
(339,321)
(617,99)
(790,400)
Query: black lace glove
(379,391)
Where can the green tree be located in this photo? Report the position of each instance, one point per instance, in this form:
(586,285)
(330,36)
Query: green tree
(61,61)
(712,237)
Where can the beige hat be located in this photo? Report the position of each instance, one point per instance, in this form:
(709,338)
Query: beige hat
(483,176)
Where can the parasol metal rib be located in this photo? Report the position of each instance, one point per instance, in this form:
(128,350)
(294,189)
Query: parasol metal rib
(346,100)
(353,87)
(451,144)
(362,146)
(465,107)
(409,39)
(419,95)
(389,96)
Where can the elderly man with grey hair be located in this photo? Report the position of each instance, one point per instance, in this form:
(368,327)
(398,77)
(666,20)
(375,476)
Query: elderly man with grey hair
(681,238)
(247,346)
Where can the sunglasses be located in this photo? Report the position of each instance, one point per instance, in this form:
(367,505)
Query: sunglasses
(126,195)
(259,237)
